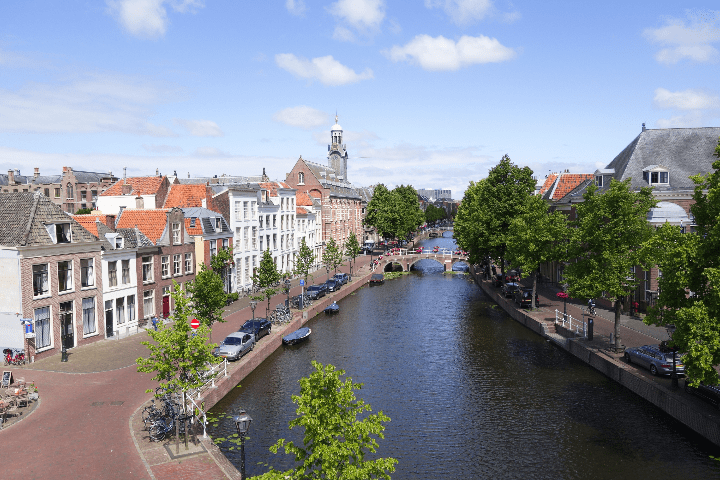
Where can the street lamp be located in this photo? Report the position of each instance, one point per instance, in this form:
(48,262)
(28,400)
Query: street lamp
(670,330)
(242,423)
(253,304)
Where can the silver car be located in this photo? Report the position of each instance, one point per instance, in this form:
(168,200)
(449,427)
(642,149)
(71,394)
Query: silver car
(236,345)
(659,362)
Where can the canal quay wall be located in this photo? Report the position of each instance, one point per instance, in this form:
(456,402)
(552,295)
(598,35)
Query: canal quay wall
(697,416)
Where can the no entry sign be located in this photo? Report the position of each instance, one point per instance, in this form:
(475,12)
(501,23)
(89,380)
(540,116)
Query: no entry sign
(195,323)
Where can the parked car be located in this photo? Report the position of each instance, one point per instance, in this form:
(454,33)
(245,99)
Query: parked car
(316,291)
(258,327)
(651,357)
(508,290)
(709,393)
(333,285)
(236,345)
(523,297)
(343,278)
(497,280)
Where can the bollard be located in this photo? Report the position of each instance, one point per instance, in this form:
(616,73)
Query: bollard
(590,329)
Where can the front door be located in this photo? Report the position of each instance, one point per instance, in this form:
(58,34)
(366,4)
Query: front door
(166,306)
(66,325)
(109,318)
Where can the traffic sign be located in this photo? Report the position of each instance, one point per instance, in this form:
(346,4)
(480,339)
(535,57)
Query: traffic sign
(195,323)
(302,282)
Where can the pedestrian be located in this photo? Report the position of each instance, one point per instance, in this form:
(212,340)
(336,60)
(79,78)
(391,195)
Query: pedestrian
(494,269)
(154,323)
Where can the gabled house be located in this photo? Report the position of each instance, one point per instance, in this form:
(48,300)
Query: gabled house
(50,273)
(210,232)
(134,192)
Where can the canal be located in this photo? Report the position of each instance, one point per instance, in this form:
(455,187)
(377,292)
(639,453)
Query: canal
(471,393)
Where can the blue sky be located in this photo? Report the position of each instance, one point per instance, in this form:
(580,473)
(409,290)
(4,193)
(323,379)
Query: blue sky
(430,92)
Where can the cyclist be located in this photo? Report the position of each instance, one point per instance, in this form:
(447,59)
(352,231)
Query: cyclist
(591,306)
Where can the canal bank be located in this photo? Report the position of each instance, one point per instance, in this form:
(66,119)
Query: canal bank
(698,416)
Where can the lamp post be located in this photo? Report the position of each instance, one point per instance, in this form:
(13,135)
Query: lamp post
(253,304)
(670,330)
(242,423)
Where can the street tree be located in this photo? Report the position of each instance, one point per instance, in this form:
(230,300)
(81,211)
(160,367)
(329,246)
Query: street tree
(304,260)
(482,223)
(222,263)
(535,237)
(335,440)
(433,213)
(352,249)
(332,256)
(267,278)
(207,295)
(396,213)
(610,231)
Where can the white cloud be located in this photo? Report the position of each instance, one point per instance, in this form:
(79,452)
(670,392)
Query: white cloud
(463,12)
(685,100)
(692,119)
(440,53)
(200,128)
(162,148)
(210,152)
(325,69)
(690,41)
(295,7)
(364,16)
(343,34)
(148,18)
(301,116)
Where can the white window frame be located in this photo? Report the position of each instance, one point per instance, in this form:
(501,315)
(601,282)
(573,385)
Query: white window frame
(47,291)
(188,263)
(87,273)
(177,264)
(149,300)
(89,310)
(43,330)
(176,233)
(148,274)
(165,266)
(112,274)
(125,272)
(69,279)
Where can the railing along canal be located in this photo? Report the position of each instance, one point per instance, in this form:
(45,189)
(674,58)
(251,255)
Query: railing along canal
(564,318)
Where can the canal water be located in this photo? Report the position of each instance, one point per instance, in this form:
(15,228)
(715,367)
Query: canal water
(471,393)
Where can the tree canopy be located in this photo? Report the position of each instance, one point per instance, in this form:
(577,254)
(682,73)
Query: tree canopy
(433,213)
(332,256)
(396,213)
(208,296)
(267,278)
(304,260)
(352,249)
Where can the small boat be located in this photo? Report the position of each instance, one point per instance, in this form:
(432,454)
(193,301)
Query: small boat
(332,308)
(297,336)
(433,235)
(377,279)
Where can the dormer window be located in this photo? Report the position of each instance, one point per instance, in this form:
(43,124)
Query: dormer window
(656,175)
(599,180)
(301,178)
(119,242)
(218,224)
(59,232)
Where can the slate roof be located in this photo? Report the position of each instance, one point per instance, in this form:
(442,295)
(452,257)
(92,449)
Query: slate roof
(90,177)
(182,196)
(203,224)
(151,222)
(23,217)
(328,178)
(80,175)
(221,180)
(140,186)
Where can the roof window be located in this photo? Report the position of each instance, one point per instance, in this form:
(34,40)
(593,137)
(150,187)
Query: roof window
(656,175)
(59,232)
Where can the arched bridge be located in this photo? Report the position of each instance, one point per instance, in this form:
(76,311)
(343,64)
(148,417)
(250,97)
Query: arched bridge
(407,258)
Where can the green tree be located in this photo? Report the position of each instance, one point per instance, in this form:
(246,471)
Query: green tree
(396,213)
(208,296)
(221,263)
(379,211)
(84,211)
(267,278)
(535,237)
(335,441)
(352,249)
(482,223)
(332,256)
(433,213)
(610,230)
(304,260)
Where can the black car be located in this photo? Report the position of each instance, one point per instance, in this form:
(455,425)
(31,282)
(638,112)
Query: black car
(706,392)
(523,297)
(343,278)
(509,289)
(333,285)
(258,327)
(317,291)
(497,280)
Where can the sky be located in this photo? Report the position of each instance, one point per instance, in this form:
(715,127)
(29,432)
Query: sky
(430,93)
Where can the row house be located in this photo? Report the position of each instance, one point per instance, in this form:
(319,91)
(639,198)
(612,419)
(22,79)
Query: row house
(307,227)
(50,273)
(210,232)
(73,190)
(134,192)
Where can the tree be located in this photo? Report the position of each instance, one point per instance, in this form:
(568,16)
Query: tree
(335,441)
(332,256)
(352,249)
(396,213)
(433,213)
(84,211)
(689,288)
(482,223)
(535,237)
(208,296)
(610,230)
(304,260)
(220,263)
(267,278)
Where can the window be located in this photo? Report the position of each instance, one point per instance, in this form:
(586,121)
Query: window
(112,274)
(41,284)
(109,314)
(246,272)
(301,178)
(131,308)
(125,272)
(59,232)
(274,221)
(238,210)
(120,310)
(225,243)
(213,248)
(149,303)
(65,276)
(83,195)
(42,328)
(246,232)
(87,272)
(119,242)
(176,233)
(261,243)
(254,238)
(253,208)
(69,191)
(246,212)
(218,224)
(656,174)
(274,241)
(88,315)
(177,264)
(147,269)
(94,195)
(188,263)
(47,192)
(599,180)
(165,266)
(57,193)
(261,221)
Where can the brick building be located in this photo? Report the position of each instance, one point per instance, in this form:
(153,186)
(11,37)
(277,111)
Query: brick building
(134,192)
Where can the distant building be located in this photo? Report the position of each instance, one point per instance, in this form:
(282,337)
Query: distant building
(435,194)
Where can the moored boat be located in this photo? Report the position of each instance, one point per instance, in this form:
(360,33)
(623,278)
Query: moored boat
(332,308)
(297,336)
(377,279)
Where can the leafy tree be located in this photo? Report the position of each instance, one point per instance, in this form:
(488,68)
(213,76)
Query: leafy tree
(221,262)
(267,278)
(304,260)
(208,296)
(335,441)
(482,223)
(379,211)
(332,256)
(535,237)
(610,229)
(396,213)
(84,211)
(352,249)
(433,213)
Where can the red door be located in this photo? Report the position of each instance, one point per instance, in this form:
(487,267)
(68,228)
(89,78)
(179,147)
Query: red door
(166,307)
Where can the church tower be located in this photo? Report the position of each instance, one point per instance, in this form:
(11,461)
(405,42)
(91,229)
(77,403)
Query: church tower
(337,154)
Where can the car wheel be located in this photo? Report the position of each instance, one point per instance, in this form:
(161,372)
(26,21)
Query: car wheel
(653,370)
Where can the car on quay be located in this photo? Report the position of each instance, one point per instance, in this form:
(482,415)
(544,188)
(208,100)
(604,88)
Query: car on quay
(235,345)
(523,297)
(508,290)
(258,327)
(316,291)
(333,285)
(343,278)
(657,360)
(709,393)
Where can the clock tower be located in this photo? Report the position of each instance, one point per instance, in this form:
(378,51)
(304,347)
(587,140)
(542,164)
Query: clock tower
(337,154)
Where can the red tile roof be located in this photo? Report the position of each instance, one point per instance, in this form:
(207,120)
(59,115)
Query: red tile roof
(303,199)
(548,183)
(140,186)
(272,187)
(300,211)
(196,230)
(184,196)
(151,222)
(567,182)
(315,194)
(88,222)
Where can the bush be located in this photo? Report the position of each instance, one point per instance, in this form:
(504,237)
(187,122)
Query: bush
(231,297)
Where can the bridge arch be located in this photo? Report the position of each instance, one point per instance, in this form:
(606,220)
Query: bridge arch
(426,259)
(393,266)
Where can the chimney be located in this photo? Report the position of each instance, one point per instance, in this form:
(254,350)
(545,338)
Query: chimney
(126,189)
(157,172)
(110,221)
(11,177)
(36,174)
(643,128)
(139,202)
